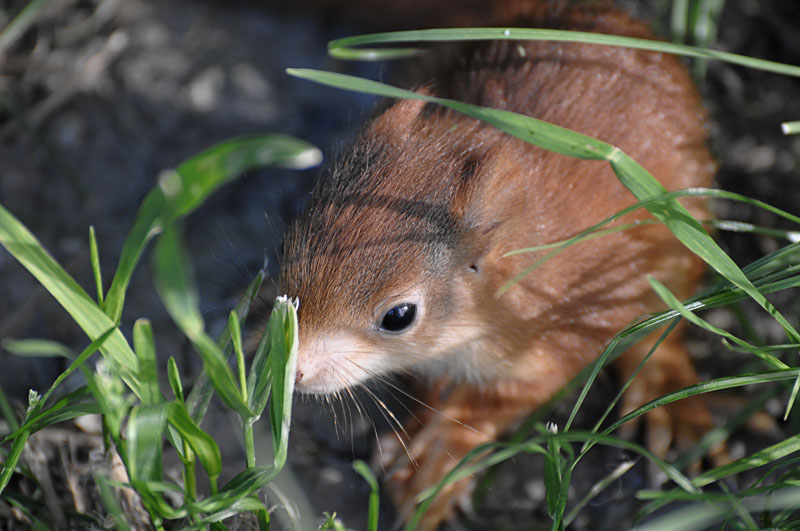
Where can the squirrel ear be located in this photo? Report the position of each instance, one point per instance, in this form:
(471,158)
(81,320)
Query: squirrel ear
(476,221)
(397,121)
(466,188)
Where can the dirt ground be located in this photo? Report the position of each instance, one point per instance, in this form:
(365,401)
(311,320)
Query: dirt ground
(100,96)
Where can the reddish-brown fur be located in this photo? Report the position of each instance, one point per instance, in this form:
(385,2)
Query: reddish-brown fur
(427,203)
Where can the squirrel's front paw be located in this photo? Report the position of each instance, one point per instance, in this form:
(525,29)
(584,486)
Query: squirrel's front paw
(420,458)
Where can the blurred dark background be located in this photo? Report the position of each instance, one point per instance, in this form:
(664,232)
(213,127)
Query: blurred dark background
(97,97)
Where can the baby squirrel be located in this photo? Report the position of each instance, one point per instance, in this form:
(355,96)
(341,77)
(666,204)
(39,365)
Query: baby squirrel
(399,256)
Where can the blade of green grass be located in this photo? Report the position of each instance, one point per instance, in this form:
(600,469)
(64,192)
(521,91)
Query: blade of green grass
(790,128)
(76,363)
(601,362)
(74,401)
(154,502)
(242,485)
(145,430)
(94,259)
(200,395)
(111,394)
(374,498)
(719,434)
(181,191)
(203,445)
(174,379)
(7,411)
(175,286)
(246,503)
(599,487)
(595,230)
(703,514)
(259,380)
(17,27)
(728,382)
(110,501)
(679,20)
(671,301)
(145,348)
(235,329)
(760,458)
(344,48)
(14,453)
(282,366)
(769,359)
(36,348)
(24,246)
(556,477)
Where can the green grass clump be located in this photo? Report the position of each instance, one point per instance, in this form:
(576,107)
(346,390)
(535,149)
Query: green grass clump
(138,418)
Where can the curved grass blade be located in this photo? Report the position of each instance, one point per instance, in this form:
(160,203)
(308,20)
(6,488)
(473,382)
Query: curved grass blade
(76,363)
(20,24)
(44,348)
(110,501)
(344,48)
(187,187)
(704,514)
(690,233)
(69,407)
(174,377)
(595,230)
(599,487)
(282,366)
(175,286)
(671,301)
(145,428)
(374,498)
(719,434)
(7,412)
(94,259)
(67,411)
(728,382)
(145,348)
(36,421)
(235,329)
(556,477)
(203,445)
(763,457)
(259,380)
(111,394)
(24,246)
(790,128)
(159,509)
(238,488)
(769,359)
(680,495)
(200,395)
(247,503)
(14,453)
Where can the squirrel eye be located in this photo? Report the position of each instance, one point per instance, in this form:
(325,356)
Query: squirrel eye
(399,317)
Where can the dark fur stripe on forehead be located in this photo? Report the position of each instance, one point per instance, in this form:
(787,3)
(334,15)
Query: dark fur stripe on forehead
(362,235)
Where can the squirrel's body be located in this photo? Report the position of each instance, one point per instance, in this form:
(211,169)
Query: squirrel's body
(415,220)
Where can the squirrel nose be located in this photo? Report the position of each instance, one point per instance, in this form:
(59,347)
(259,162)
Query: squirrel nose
(298,376)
